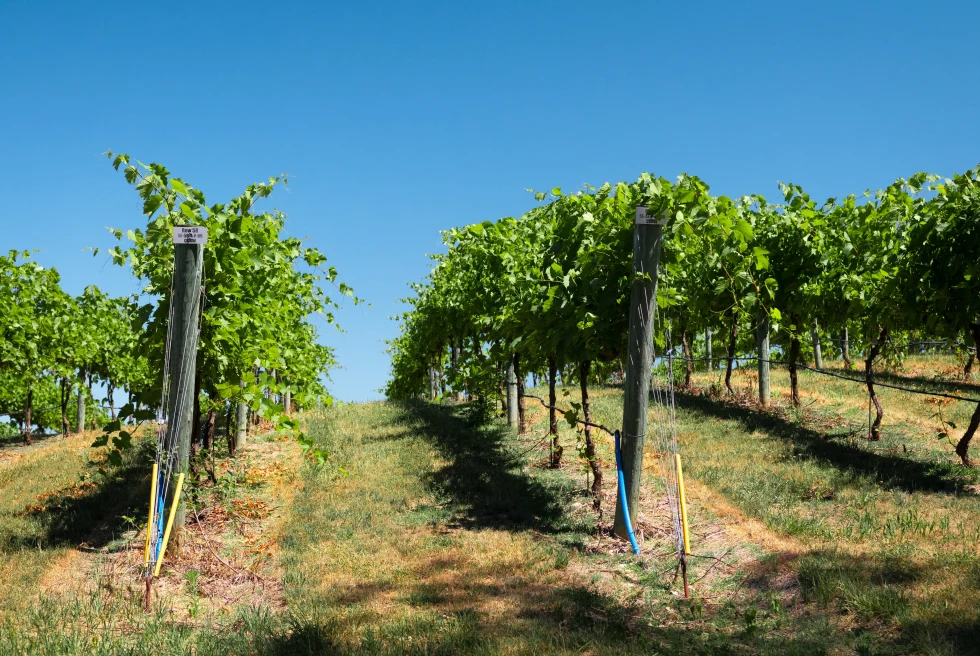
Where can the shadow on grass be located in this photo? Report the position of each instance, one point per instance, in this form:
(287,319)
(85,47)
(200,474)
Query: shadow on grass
(83,515)
(483,478)
(12,441)
(962,388)
(544,619)
(487,598)
(875,589)
(889,471)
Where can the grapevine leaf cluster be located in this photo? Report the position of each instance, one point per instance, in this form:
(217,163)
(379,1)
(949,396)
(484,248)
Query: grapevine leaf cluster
(53,347)
(551,288)
(263,292)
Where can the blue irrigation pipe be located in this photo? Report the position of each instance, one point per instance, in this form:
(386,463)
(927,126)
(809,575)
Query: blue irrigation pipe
(622,497)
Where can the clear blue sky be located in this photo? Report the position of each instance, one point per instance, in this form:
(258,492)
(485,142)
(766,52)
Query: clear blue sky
(397,120)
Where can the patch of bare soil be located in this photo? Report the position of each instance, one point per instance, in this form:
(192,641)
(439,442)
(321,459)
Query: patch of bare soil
(717,551)
(226,555)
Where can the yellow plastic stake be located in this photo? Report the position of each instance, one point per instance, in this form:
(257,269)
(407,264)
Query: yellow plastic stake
(170,523)
(680,487)
(149,524)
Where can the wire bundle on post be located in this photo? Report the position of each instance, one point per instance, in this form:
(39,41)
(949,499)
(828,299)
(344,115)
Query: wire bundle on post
(160,523)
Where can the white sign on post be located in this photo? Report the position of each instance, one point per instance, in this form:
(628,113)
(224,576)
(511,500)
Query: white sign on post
(190,235)
(643,218)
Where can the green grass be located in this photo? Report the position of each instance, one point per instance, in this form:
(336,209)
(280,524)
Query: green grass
(447,538)
(884,532)
(444,536)
(51,502)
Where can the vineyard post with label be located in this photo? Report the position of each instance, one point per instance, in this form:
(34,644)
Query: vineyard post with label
(647,239)
(188,260)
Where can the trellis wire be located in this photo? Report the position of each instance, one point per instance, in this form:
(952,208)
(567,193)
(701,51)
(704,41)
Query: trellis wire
(664,411)
(862,381)
(912,343)
(24,412)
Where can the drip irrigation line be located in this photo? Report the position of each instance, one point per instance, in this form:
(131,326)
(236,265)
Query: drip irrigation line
(896,387)
(853,380)
(865,382)
(719,360)
(33,410)
(11,413)
(906,344)
(621,483)
(909,344)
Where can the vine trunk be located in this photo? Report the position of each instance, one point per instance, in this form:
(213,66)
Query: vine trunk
(590,451)
(521,401)
(794,355)
(873,352)
(27,416)
(687,359)
(556,448)
(963,446)
(732,335)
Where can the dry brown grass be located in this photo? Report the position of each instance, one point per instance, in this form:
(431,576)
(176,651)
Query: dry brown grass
(894,539)
(36,481)
(226,556)
(404,552)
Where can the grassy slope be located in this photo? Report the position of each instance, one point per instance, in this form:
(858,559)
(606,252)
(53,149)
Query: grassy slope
(70,557)
(443,540)
(50,503)
(449,537)
(885,532)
